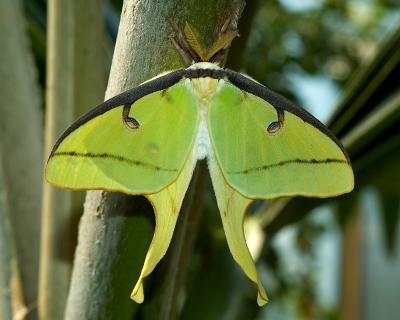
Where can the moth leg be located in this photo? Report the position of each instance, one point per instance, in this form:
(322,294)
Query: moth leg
(128,121)
(181,45)
(275,126)
(219,57)
(224,27)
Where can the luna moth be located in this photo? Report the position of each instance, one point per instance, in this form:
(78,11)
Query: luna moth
(146,141)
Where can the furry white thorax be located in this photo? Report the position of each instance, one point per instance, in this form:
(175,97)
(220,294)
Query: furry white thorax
(204,89)
(204,65)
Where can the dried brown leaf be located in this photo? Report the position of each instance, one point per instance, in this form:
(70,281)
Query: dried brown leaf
(194,40)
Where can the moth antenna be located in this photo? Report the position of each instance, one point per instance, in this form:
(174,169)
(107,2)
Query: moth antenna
(225,26)
(181,45)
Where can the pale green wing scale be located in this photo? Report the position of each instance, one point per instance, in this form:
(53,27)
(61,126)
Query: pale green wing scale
(265,147)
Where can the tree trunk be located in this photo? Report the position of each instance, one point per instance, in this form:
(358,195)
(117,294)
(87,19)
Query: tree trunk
(75,82)
(115,230)
(350,304)
(21,142)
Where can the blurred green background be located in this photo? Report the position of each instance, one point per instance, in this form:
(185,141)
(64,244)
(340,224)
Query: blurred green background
(319,259)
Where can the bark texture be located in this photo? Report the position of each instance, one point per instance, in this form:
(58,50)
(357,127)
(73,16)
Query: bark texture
(21,143)
(116,229)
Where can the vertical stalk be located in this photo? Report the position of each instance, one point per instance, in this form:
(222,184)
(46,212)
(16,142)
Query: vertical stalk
(351,268)
(21,145)
(54,266)
(75,82)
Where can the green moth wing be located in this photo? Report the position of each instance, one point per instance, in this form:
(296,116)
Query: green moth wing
(267,147)
(143,142)
(99,151)
(262,147)
(166,204)
(232,207)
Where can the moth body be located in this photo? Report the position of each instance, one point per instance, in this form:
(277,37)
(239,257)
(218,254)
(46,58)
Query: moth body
(204,90)
(146,141)
(202,143)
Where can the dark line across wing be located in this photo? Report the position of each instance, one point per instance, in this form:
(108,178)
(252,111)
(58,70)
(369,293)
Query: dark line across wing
(291,161)
(110,156)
